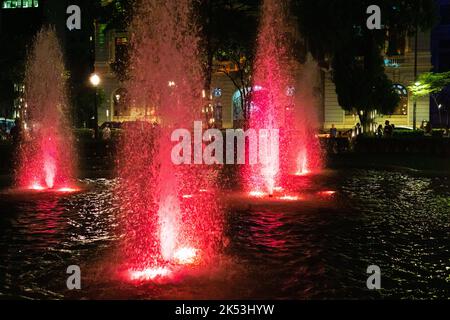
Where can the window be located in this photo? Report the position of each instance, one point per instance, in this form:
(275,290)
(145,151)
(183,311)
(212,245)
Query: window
(396,44)
(402,107)
(121,52)
(101,34)
(14,4)
(217,92)
(238,113)
(120,99)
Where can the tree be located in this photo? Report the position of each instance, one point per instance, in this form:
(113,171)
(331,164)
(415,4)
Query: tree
(229,33)
(436,85)
(362,86)
(361,83)
(430,83)
(335,32)
(116,15)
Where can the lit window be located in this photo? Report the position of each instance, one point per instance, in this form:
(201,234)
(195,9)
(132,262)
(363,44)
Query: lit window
(217,92)
(402,107)
(14,4)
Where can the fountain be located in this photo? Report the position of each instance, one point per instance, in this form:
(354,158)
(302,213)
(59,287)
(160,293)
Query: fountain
(283,101)
(170,214)
(45,158)
(307,150)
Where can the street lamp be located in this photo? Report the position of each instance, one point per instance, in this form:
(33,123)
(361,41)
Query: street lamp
(95,81)
(417,85)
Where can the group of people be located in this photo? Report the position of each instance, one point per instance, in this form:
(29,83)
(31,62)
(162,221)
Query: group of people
(17,132)
(427,128)
(387,131)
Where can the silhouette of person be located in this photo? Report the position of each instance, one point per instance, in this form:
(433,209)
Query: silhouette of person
(387,129)
(358,129)
(333,131)
(380,131)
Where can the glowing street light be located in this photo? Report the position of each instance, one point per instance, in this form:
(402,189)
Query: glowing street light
(95,81)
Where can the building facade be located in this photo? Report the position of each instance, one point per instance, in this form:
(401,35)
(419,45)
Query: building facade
(15,35)
(20,20)
(111,48)
(224,96)
(400,69)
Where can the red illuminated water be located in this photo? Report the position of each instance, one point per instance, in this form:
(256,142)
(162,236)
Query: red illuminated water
(45,157)
(169,211)
(283,99)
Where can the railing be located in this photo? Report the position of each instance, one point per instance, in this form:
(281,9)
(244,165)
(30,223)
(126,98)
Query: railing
(395,61)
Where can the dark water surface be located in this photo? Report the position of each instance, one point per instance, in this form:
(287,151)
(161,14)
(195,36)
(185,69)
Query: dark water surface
(314,249)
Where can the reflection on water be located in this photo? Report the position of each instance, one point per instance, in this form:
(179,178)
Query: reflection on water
(319,249)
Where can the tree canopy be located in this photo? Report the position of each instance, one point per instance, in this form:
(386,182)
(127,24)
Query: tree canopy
(430,83)
(335,32)
(230,30)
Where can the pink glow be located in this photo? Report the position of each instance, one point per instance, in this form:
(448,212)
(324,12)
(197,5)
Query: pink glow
(67,190)
(46,159)
(169,221)
(302,165)
(327,193)
(303,172)
(257,194)
(149,274)
(186,256)
(284,100)
(289,198)
(161,227)
(37,187)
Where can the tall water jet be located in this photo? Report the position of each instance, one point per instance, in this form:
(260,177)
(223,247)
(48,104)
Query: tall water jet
(46,159)
(282,100)
(170,212)
(307,149)
(271,95)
